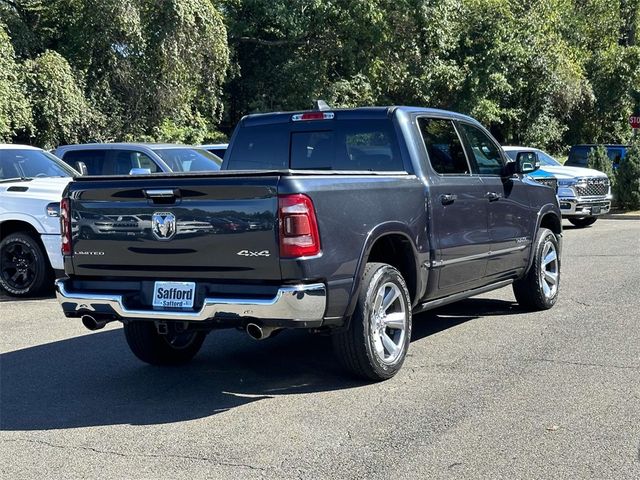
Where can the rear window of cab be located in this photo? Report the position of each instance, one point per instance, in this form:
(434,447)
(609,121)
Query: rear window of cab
(342,145)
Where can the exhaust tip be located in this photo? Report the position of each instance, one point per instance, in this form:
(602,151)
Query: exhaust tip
(255,331)
(91,323)
(258,332)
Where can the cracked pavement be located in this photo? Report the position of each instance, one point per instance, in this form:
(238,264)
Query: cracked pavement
(487,391)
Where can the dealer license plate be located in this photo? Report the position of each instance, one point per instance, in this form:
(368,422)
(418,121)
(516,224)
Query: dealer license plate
(174,294)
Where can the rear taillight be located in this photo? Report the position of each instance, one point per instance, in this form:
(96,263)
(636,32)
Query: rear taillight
(298,226)
(65,226)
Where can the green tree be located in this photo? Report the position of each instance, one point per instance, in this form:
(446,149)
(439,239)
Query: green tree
(141,64)
(628,178)
(61,112)
(598,159)
(15,113)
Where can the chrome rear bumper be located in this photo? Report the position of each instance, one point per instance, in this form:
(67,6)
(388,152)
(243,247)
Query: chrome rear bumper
(297,303)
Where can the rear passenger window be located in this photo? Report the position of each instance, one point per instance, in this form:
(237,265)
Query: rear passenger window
(367,145)
(93,159)
(444,147)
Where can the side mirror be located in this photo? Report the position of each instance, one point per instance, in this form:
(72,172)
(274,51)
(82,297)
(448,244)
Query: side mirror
(82,168)
(527,162)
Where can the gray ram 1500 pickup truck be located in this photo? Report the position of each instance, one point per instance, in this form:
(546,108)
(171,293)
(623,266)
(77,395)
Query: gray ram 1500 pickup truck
(338,221)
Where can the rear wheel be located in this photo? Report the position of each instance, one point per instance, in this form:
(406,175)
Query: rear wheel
(538,290)
(582,222)
(24,267)
(376,342)
(172,348)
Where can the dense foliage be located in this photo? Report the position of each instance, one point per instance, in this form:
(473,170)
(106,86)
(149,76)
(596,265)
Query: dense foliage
(627,189)
(598,159)
(546,73)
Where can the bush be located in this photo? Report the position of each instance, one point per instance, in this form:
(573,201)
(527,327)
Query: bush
(62,113)
(628,178)
(599,160)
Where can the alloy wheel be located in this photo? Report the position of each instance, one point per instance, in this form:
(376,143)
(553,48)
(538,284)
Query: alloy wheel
(549,272)
(388,323)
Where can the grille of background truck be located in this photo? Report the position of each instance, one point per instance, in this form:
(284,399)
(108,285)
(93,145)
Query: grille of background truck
(595,187)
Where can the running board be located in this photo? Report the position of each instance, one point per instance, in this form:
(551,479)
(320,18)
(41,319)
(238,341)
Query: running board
(423,307)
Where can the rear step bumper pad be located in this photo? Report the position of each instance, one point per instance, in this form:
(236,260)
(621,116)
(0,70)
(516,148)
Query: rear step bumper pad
(298,303)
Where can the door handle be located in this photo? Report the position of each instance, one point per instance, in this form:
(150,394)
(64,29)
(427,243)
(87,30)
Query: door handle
(493,196)
(448,198)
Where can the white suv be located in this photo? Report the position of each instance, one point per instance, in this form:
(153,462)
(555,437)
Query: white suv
(31,185)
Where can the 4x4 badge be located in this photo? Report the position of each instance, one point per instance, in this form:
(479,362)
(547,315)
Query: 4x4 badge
(249,253)
(163,225)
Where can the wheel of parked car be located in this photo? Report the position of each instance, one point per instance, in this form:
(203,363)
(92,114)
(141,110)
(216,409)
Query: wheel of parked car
(583,221)
(24,268)
(171,348)
(376,342)
(538,290)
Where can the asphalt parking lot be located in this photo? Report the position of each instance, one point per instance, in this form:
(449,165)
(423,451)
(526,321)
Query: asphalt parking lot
(487,391)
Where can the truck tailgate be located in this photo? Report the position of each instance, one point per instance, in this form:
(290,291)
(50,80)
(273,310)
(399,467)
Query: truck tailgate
(214,227)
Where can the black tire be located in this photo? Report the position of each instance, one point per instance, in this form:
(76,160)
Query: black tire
(170,349)
(533,292)
(583,221)
(356,346)
(24,267)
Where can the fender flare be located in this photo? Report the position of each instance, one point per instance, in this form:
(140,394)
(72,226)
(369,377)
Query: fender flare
(378,232)
(546,209)
(21,217)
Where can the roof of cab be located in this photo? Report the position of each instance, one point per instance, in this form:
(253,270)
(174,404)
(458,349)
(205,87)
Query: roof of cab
(359,112)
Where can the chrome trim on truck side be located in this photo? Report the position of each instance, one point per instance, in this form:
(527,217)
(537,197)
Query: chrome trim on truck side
(494,253)
(304,303)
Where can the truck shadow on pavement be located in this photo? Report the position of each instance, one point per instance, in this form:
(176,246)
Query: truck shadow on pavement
(94,379)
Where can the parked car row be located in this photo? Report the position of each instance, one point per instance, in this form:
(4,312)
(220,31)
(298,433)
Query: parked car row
(31,185)
(33,181)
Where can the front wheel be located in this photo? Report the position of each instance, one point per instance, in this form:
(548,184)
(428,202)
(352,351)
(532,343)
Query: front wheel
(376,342)
(538,289)
(582,222)
(171,348)
(24,267)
